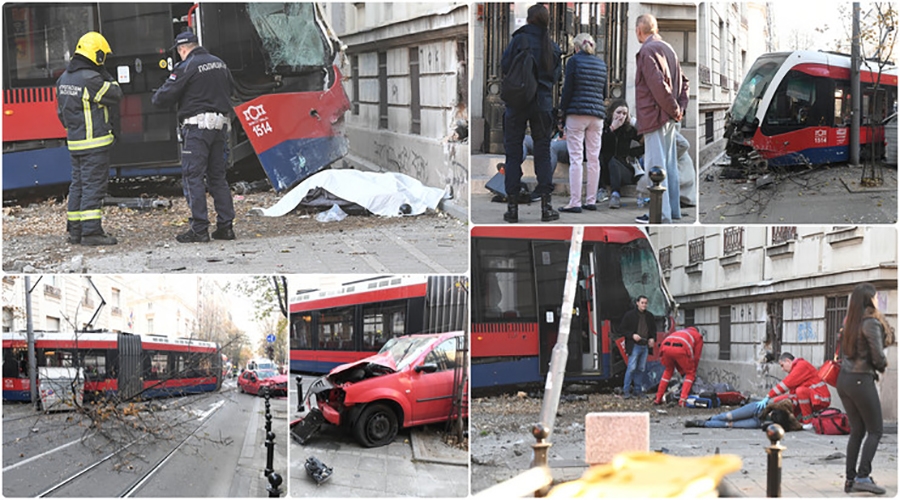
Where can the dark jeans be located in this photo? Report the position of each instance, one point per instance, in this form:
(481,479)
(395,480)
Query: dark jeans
(203,165)
(619,174)
(515,121)
(90,177)
(860,399)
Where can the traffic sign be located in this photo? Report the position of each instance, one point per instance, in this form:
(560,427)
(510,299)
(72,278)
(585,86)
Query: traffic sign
(270,338)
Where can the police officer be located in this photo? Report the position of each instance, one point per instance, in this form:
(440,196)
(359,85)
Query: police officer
(201,86)
(85,92)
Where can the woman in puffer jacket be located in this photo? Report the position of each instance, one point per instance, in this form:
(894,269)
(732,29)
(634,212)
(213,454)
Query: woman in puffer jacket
(583,110)
(862,351)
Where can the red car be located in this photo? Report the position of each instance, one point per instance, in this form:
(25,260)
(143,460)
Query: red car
(255,381)
(409,382)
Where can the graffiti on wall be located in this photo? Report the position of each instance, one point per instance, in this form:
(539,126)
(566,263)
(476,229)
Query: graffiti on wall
(403,160)
(716,375)
(458,177)
(806,332)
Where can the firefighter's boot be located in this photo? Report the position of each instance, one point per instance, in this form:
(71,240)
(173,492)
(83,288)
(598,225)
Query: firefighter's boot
(547,212)
(512,212)
(74,230)
(99,239)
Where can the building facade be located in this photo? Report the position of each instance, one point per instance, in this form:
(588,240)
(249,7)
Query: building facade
(61,303)
(731,37)
(406,76)
(757,291)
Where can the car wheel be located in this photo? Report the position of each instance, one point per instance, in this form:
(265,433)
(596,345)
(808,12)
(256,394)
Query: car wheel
(377,426)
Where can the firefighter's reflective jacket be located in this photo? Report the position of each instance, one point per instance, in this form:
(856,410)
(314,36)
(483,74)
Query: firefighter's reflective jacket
(84,94)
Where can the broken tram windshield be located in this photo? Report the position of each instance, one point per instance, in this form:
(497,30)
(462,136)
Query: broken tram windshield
(291,35)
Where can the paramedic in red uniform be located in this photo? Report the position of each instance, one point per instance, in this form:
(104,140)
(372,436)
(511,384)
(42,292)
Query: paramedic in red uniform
(802,385)
(680,350)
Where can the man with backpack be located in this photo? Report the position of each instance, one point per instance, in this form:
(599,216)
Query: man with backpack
(531,67)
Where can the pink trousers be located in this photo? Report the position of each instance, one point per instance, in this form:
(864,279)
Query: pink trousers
(583,134)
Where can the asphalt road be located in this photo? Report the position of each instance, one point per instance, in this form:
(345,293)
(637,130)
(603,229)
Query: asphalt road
(201,446)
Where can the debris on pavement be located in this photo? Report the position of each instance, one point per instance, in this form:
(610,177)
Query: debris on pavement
(318,470)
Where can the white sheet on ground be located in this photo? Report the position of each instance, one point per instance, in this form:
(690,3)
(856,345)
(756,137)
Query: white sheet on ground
(380,193)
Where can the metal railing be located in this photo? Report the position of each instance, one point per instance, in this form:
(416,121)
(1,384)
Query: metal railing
(734,240)
(696,250)
(665,258)
(783,234)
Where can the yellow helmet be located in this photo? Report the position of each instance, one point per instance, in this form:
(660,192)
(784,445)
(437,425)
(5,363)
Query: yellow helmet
(93,46)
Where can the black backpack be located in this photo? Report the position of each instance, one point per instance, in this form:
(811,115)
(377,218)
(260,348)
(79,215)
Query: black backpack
(519,86)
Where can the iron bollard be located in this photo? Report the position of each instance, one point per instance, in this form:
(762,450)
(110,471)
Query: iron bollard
(268,412)
(299,380)
(270,453)
(274,483)
(657,175)
(773,472)
(540,449)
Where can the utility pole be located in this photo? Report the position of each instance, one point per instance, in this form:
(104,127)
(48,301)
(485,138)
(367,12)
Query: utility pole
(854,89)
(32,358)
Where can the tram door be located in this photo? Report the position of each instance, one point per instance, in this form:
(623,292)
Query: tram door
(140,35)
(550,260)
(129,366)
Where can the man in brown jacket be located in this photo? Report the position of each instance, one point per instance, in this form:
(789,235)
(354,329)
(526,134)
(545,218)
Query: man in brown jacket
(661,97)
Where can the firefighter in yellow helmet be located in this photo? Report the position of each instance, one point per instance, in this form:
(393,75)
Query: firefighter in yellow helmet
(87,98)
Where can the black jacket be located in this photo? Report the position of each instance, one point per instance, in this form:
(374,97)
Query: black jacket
(530,36)
(869,356)
(629,324)
(199,84)
(584,88)
(86,84)
(617,143)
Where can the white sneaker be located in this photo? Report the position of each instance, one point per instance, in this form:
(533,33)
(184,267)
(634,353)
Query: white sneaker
(602,195)
(808,427)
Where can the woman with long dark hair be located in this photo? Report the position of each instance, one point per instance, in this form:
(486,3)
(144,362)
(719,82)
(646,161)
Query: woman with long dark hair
(862,357)
(538,113)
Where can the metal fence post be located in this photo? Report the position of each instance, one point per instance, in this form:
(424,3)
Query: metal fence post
(773,471)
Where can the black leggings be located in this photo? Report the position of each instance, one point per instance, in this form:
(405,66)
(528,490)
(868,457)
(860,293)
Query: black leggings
(860,399)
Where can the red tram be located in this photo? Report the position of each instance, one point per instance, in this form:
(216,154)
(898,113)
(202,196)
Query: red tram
(518,275)
(115,365)
(794,109)
(290,103)
(330,328)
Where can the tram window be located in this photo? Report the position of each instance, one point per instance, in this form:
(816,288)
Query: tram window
(95,364)
(443,355)
(640,275)
(58,358)
(842,105)
(301,331)
(41,39)
(507,281)
(180,366)
(336,330)
(290,33)
(159,365)
(15,363)
(382,322)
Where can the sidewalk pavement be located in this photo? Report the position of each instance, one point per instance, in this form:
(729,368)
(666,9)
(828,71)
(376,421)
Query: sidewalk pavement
(248,478)
(812,464)
(483,211)
(829,194)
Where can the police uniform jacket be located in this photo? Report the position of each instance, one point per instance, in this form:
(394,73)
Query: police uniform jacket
(199,84)
(84,94)
(584,87)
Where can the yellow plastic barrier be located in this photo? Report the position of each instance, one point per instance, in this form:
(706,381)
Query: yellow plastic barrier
(651,475)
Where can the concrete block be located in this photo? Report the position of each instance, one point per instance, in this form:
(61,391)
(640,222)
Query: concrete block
(608,434)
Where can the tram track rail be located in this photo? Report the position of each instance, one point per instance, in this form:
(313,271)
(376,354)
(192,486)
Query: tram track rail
(141,481)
